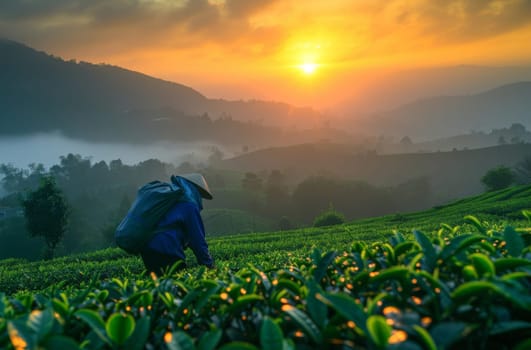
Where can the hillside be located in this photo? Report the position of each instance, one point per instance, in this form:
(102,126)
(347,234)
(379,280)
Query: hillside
(516,133)
(450,287)
(445,116)
(389,90)
(451,174)
(44,93)
(275,248)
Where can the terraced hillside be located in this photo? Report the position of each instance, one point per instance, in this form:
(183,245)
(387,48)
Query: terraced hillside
(455,276)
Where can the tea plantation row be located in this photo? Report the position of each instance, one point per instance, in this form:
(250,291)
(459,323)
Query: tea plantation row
(464,284)
(271,249)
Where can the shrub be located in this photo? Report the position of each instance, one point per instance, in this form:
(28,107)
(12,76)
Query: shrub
(498,178)
(329,217)
(46,213)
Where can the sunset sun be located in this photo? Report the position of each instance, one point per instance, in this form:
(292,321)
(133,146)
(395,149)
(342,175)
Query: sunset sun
(308,68)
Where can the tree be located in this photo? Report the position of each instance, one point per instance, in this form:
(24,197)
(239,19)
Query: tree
(284,223)
(251,182)
(13,179)
(406,141)
(46,213)
(329,217)
(498,178)
(523,170)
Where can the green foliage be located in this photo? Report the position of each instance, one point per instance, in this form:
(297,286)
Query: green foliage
(329,217)
(379,295)
(274,249)
(523,170)
(46,213)
(460,285)
(498,178)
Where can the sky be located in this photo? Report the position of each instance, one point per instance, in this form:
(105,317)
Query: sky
(302,52)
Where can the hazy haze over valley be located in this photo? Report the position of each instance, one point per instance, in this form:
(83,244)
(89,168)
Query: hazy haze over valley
(21,151)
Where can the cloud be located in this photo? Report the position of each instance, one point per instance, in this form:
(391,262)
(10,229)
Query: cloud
(249,30)
(128,22)
(458,20)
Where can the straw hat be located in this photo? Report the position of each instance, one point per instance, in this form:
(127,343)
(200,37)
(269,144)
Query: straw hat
(199,181)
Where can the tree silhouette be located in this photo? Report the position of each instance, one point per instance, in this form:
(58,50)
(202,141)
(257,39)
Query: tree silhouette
(329,217)
(498,178)
(523,170)
(251,182)
(46,213)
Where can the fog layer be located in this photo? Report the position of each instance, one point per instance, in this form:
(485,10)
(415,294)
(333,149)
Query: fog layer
(47,149)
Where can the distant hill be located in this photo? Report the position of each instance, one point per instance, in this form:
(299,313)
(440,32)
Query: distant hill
(446,116)
(516,133)
(41,93)
(381,91)
(451,174)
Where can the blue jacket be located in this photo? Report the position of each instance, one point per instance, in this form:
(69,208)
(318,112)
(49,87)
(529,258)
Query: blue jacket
(180,228)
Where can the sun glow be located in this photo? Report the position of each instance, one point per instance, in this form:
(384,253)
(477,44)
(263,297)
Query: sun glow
(308,68)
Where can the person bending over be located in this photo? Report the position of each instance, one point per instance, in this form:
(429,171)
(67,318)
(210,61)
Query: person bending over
(181,227)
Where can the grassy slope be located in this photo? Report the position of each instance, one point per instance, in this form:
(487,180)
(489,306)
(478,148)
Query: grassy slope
(272,249)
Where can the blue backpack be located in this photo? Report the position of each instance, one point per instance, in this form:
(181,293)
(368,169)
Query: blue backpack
(152,202)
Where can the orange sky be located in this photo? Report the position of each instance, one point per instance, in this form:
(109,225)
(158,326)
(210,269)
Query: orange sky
(255,48)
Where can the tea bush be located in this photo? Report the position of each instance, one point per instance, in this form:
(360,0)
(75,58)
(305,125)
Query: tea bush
(460,285)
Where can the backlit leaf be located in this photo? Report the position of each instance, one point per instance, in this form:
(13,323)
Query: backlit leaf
(119,327)
(271,337)
(180,341)
(430,256)
(346,307)
(304,322)
(94,320)
(379,331)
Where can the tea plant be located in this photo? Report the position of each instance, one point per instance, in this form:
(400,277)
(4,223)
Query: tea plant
(459,290)
(459,285)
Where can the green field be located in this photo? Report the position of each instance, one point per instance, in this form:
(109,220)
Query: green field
(456,276)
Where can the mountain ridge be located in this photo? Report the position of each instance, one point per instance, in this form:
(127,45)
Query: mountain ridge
(445,116)
(40,92)
(451,174)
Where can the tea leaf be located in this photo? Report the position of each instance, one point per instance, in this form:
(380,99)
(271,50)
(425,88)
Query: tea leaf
(21,336)
(515,243)
(430,256)
(61,342)
(379,330)
(476,223)
(210,340)
(483,265)
(303,321)
(427,340)
(181,341)
(316,309)
(458,244)
(40,322)
(244,301)
(271,337)
(323,264)
(94,320)
(504,264)
(346,307)
(120,327)
(138,339)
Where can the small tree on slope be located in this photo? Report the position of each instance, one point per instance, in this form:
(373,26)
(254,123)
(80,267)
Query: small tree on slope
(498,178)
(46,213)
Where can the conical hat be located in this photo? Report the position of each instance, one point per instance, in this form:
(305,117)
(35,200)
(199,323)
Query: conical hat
(198,180)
